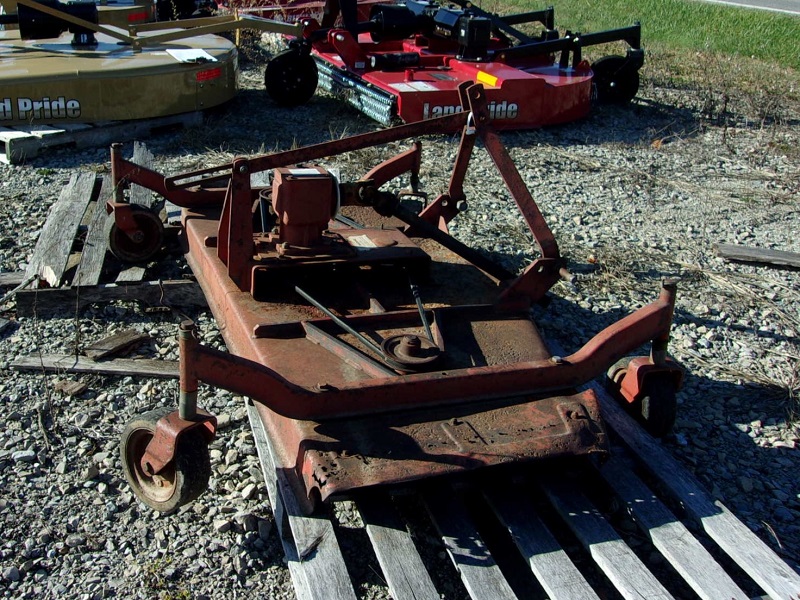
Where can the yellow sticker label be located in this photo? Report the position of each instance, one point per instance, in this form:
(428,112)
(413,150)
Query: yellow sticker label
(484,77)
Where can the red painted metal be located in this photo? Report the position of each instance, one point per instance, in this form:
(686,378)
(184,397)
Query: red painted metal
(161,449)
(407,61)
(302,199)
(339,416)
(123,218)
(640,370)
(519,96)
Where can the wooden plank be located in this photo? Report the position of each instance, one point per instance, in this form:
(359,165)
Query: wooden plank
(12,279)
(144,158)
(69,387)
(552,566)
(131,275)
(96,244)
(68,300)
(7,138)
(296,571)
(479,572)
(758,255)
(670,537)
(52,250)
(61,363)
(397,555)
(755,558)
(119,343)
(20,145)
(309,541)
(618,562)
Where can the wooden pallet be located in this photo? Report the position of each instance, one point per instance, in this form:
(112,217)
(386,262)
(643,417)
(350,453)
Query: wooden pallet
(508,534)
(21,143)
(60,275)
(564,544)
(536,532)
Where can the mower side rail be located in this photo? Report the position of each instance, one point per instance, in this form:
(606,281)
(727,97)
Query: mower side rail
(124,172)
(444,124)
(177,29)
(179,24)
(201,26)
(632,35)
(571,42)
(546,17)
(424,390)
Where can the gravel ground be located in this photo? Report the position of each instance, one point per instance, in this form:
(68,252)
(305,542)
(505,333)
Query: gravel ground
(633,194)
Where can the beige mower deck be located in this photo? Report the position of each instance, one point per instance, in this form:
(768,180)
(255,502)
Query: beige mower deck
(52,81)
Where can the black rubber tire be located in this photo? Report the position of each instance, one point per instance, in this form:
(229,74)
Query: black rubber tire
(611,85)
(657,407)
(128,250)
(181,481)
(291,78)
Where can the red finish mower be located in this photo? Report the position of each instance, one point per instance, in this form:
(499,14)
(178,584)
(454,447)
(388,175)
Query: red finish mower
(377,348)
(408,61)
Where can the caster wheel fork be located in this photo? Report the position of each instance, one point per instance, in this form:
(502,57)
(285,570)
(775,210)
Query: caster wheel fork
(654,404)
(181,480)
(143,244)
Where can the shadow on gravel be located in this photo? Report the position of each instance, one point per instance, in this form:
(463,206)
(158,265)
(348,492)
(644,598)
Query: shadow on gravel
(642,122)
(726,433)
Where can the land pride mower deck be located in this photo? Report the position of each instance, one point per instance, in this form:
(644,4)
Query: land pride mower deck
(378,348)
(63,66)
(408,61)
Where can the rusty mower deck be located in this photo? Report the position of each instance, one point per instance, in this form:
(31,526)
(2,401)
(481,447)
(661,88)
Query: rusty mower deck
(378,348)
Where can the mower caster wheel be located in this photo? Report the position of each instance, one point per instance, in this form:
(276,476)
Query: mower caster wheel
(181,481)
(291,78)
(657,406)
(147,241)
(612,84)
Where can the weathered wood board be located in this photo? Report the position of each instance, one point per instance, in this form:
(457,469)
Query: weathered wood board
(153,293)
(766,256)
(50,257)
(21,143)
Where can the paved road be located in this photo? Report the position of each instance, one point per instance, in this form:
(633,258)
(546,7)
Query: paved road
(782,6)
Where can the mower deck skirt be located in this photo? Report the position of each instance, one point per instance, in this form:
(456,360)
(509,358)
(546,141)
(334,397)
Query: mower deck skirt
(52,81)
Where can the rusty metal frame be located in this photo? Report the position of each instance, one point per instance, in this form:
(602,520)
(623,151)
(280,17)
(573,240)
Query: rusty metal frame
(425,390)
(229,186)
(221,254)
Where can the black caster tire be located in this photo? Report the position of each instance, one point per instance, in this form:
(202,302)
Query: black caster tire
(291,78)
(611,84)
(659,406)
(181,481)
(136,251)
